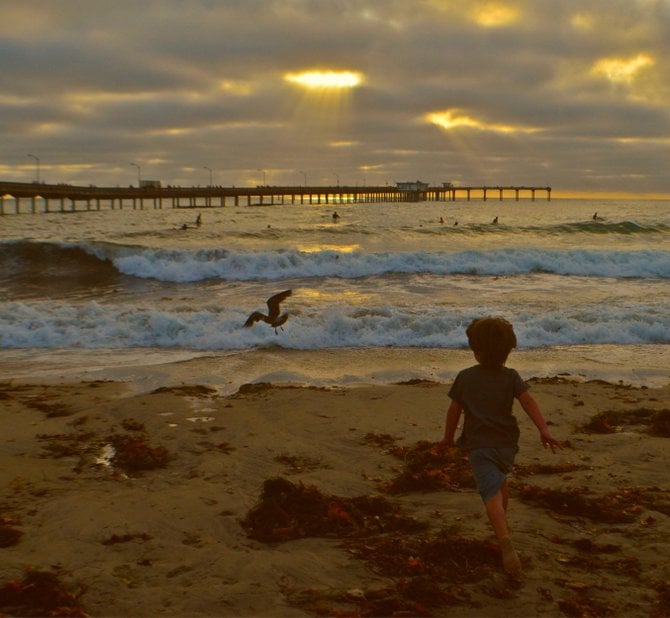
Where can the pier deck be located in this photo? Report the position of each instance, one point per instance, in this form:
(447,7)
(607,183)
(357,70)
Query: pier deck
(69,198)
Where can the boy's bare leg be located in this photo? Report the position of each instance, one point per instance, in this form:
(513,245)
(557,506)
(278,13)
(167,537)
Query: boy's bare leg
(505,495)
(496,509)
(497,513)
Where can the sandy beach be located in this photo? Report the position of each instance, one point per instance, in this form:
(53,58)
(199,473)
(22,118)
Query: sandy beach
(127,500)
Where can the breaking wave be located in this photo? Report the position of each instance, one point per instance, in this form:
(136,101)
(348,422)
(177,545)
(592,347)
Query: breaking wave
(102,262)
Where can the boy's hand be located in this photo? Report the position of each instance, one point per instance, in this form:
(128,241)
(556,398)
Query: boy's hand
(548,441)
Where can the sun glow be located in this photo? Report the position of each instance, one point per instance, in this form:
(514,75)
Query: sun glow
(622,70)
(325,79)
(495,14)
(453,119)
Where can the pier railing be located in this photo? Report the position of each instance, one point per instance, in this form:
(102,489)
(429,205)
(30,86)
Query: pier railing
(16,197)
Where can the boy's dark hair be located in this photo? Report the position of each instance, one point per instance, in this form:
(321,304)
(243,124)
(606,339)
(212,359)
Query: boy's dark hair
(491,339)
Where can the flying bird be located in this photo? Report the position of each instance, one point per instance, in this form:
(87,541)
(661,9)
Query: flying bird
(273,318)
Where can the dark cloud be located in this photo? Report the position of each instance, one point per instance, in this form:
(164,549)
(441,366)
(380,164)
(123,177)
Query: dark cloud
(181,84)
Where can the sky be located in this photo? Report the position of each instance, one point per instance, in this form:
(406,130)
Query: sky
(572,94)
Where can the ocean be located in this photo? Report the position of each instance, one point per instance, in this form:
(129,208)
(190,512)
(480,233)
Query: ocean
(101,288)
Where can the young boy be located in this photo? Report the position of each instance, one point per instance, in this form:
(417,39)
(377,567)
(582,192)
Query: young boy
(485,394)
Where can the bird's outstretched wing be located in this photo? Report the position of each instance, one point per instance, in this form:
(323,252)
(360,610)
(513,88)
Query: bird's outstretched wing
(253,318)
(273,304)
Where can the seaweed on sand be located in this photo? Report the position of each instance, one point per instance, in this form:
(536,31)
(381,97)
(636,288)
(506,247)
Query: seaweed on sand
(288,511)
(445,557)
(9,535)
(621,506)
(188,390)
(582,606)
(586,545)
(296,463)
(533,469)
(134,454)
(611,421)
(574,502)
(39,593)
(51,409)
(660,424)
(67,444)
(389,601)
(426,573)
(126,538)
(428,466)
(662,607)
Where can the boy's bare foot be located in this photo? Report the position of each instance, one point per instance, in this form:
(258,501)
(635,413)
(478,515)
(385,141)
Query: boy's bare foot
(511,562)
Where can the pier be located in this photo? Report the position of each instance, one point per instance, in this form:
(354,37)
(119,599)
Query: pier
(18,198)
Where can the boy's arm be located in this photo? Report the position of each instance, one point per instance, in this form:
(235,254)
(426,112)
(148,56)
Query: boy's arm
(531,408)
(451,424)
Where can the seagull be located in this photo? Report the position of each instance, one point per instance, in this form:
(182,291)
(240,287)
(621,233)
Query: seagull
(273,318)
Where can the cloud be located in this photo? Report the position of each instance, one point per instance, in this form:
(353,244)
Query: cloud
(571,93)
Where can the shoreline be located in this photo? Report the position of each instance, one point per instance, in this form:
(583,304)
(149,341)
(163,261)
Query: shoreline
(638,365)
(170,539)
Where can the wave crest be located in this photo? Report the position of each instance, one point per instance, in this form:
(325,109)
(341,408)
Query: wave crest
(103,262)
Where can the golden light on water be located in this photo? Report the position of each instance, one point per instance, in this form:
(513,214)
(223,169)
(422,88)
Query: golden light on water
(325,79)
(316,248)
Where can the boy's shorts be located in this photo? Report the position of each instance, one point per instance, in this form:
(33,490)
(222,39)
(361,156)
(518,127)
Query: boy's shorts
(490,467)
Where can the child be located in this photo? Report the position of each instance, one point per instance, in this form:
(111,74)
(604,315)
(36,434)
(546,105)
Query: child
(486,393)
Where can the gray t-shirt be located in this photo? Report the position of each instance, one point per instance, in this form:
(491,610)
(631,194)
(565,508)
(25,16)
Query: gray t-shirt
(487,396)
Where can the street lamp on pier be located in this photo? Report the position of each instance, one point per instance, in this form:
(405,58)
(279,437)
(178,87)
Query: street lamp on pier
(139,174)
(260,170)
(210,173)
(304,175)
(338,179)
(37,167)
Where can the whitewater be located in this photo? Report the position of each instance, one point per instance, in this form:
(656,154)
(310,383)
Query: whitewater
(382,276)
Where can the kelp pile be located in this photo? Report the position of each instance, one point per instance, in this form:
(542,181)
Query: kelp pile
(428,466)
(39,593)
(290,511)
(657,422)
(622,506)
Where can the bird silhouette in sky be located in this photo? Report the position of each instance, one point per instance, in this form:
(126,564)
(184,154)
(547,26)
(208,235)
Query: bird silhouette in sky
(274,317)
